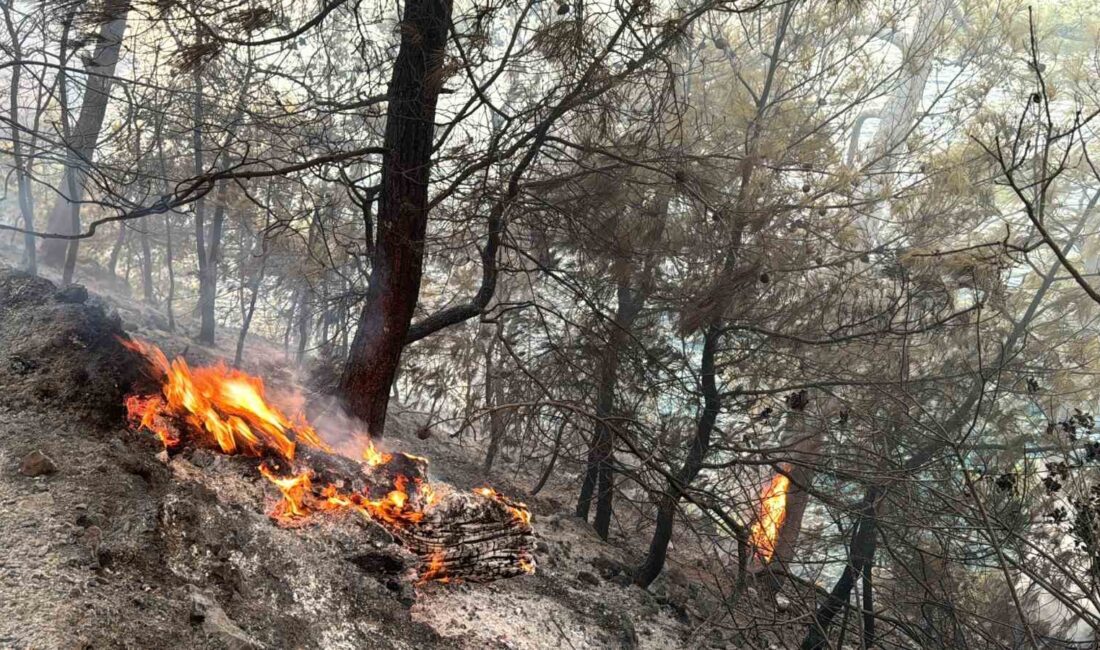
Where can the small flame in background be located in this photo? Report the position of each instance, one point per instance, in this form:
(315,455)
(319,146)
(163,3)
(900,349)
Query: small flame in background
(769,521)
(231,409)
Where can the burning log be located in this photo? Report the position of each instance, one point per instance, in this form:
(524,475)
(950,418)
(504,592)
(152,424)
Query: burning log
(481,536)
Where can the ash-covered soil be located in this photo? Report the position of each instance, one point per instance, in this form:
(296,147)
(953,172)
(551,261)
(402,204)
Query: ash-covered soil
(110,544)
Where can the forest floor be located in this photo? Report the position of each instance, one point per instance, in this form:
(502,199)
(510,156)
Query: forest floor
(107,546)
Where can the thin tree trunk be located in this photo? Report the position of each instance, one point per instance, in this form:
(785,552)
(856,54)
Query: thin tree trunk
(305,313)
(116,250)
(493,395)
(146,266)
(599,477)
(169,261)
(860,559)
(208,271)
(250,310)
(693,463)
(81,141)
(22,171)
(402,216)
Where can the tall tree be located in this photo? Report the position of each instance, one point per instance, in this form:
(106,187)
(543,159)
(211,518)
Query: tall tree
(83,136)
(397,261)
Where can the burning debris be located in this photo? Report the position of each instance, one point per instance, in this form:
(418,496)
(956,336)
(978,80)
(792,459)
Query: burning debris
(473,536)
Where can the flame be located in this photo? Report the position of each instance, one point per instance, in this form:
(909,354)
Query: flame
(527,565)
(373,457)
(227,405)
(435,570)
(519,510)
(295,489)
(773,512)
(227,409)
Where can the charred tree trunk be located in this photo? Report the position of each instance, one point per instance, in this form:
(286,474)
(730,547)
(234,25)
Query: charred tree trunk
(804,441)
(116,250)
(402,215)
(493,397)
(693,463)
(169,261)
(599,475)
(208,250)
(146,266)
(81,141)
(248,311)
(305,313)
(861,558)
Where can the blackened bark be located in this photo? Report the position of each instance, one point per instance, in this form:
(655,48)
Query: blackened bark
(254,289)
(599,474)
(459,313)
(146,266)
(693,463)
(860,561)
(208,268)
(305,313)
(397,262)
(116,250)
(492,399)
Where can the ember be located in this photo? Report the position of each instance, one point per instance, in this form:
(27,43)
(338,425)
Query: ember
(773,512)
(221,408)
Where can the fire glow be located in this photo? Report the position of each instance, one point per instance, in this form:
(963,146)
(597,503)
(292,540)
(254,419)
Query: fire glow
(222,408)
(769,521)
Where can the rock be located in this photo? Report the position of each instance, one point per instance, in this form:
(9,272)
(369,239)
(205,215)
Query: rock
(19,365)
(202,457)
(73,294)
(402,590)
(390,560)
(782,603)
(37,463)
(93,538)
(629,636)
(205,611)
(588,578)
(622,580)
(607,567)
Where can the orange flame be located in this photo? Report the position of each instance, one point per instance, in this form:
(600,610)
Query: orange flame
(295,489)
(773,512)
(436,569)
(227,405)
(227,409)
(373,457)
(519,510)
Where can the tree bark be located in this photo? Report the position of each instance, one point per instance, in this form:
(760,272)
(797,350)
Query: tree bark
(493,397)
(305,313)
(402,215)
(20,162)
(693,463)
(81,141)
(861,558)
(116,250)
(599,477)
(208,250)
